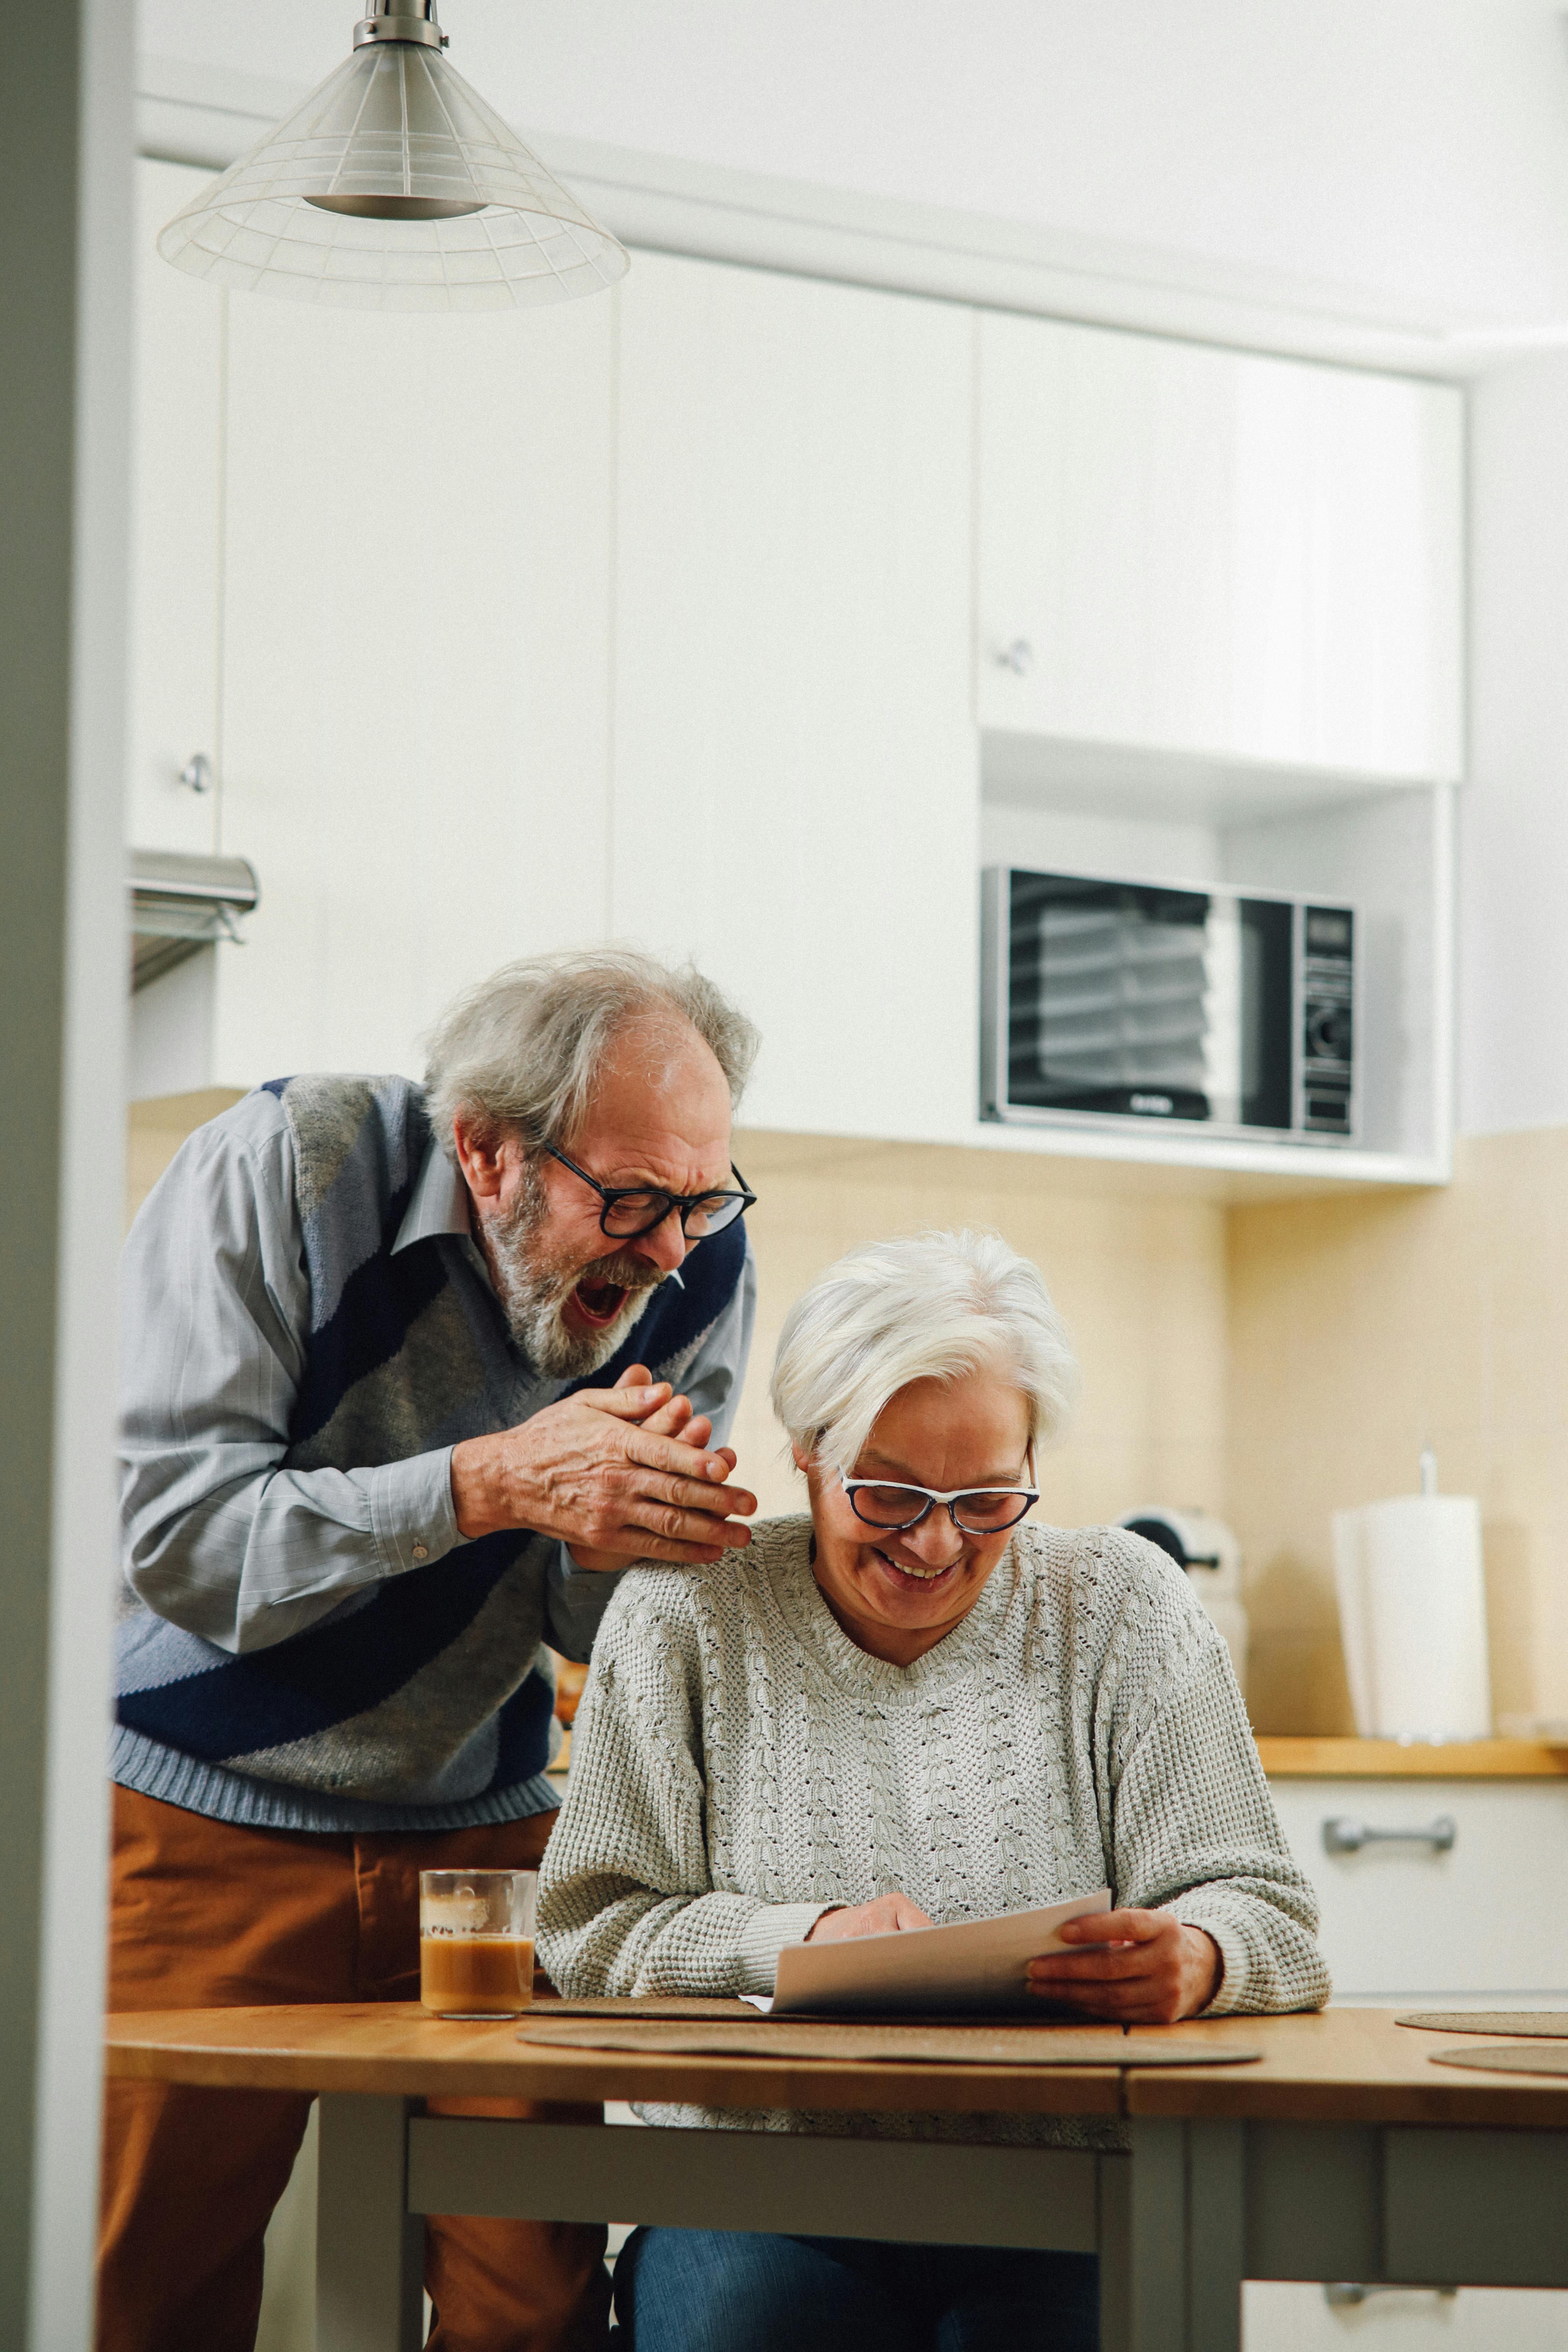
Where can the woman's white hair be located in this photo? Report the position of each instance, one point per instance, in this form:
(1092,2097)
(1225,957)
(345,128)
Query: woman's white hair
(925,1306)
(523,1051)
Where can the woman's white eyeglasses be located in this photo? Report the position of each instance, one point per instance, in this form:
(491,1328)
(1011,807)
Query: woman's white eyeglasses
(975,1510)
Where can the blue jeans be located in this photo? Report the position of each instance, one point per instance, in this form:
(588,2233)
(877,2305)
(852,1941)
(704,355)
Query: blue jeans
(736,2291)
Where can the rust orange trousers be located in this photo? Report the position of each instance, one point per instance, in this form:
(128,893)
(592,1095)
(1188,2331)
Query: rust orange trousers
(206,1916)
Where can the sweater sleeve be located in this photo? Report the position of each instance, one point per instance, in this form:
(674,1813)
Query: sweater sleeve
(626,1901)
(220,1537)
(1193,1825)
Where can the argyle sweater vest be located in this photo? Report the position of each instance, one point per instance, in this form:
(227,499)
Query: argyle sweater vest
(424,1698)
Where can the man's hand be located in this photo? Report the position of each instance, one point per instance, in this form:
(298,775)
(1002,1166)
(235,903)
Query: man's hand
(883,1917)
(1144,1968)
(598,1470)
(676,1419)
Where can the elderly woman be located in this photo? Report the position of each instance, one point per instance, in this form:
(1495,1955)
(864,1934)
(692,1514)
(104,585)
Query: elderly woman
(909,1708)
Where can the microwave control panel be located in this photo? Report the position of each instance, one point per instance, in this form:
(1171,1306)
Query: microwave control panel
(1327,1014)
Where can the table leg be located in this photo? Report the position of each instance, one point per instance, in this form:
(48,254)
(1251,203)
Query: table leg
(1157,2237)
(1172,2237)
(1217,2232)
(1115,2220)
(370,2250)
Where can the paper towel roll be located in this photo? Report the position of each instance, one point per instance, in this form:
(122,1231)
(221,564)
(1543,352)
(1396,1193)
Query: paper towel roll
(1413,1617)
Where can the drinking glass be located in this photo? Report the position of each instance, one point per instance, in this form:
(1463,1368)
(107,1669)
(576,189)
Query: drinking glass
(476,1941)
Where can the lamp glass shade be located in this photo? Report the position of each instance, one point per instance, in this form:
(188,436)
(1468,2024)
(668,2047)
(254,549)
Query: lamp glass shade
(393,187)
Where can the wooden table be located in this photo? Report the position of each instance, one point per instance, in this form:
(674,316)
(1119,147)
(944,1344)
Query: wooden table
(1343,2154)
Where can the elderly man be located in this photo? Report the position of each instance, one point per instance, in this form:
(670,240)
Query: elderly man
(407,1369)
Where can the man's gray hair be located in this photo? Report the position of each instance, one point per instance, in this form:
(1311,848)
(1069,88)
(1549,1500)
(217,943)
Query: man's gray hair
(523,1052)
(926,1307)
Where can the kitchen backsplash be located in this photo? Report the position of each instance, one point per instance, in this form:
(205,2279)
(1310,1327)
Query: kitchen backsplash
(1140,1281)
(1363,1328)
(1268,1362)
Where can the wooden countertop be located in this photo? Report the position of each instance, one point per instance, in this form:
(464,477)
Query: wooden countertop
(1393,1759)
(1352,2065)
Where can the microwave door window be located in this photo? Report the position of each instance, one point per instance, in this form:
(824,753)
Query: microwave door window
(1109,998)
(1268,992)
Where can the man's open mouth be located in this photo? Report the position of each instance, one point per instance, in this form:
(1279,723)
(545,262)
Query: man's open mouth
(599,1302)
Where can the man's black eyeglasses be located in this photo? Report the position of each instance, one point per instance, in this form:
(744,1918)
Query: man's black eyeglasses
(627,1210)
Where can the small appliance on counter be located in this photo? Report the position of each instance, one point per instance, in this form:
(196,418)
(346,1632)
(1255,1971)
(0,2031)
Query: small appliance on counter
(1114,1001)
(1211,1556)
(1413,1614)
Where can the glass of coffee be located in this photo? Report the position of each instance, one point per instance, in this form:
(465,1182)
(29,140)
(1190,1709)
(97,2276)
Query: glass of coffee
(476,1941)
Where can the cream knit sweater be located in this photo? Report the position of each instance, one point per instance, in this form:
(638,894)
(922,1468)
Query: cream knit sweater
(739,1766)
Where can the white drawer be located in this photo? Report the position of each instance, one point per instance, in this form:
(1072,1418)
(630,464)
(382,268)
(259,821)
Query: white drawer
(1477,2319)
(1487,1916)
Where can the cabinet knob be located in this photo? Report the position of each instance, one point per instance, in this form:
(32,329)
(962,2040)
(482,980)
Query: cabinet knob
(197,773)
(1343,1834)
(1019,658)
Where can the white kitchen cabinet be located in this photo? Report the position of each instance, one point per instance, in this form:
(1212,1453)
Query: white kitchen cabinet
(1484,1923)
(796,793)
(654,618)
(1408,1921)
(415,666)
(176,529)
(1212,553)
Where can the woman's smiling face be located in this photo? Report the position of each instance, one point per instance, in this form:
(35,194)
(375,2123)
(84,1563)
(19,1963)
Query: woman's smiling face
(896,1594)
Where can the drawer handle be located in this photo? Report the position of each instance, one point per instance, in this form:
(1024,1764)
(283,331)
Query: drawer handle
(1344,2294)
(1344,1835)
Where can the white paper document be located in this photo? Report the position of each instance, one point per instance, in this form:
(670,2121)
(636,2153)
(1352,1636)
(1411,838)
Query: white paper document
(978,1965)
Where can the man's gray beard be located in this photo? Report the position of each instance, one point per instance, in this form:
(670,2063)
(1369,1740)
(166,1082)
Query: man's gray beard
(533,1290)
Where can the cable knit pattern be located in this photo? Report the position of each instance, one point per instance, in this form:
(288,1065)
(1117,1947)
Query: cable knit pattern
(739,1764)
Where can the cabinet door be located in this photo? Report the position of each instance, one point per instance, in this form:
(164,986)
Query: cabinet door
(415,648)
(1489,1915)
(796,800)
(176,529)
(1206,552)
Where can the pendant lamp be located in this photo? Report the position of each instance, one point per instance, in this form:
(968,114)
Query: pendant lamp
(395,187)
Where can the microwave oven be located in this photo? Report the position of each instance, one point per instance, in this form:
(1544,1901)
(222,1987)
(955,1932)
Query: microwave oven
(1105,1002)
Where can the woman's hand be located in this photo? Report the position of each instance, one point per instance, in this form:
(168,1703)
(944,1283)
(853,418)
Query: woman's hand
(675,1419)
(1144,1968)
(885,1917)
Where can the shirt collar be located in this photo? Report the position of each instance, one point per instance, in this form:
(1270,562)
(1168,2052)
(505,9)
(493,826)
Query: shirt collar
(440,1202)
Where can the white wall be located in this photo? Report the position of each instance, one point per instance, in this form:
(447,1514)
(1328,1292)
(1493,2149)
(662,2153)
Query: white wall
(1514,855)
(1412,149)
(172,1031)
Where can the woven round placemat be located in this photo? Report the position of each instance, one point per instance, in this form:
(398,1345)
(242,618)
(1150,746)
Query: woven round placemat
(939,2046)
(1507,2058)
(1553,2023)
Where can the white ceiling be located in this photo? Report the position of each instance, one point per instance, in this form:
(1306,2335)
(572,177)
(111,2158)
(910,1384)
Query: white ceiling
(1410,152)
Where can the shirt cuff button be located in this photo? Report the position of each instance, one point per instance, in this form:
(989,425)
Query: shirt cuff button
(421,1551)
